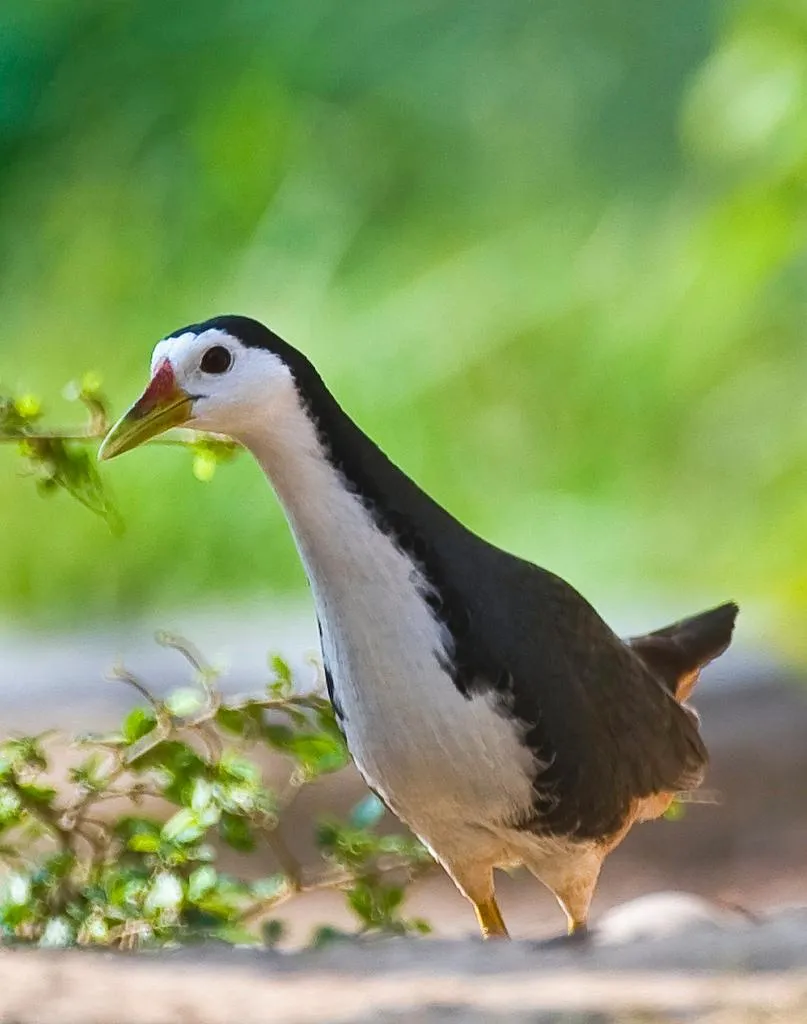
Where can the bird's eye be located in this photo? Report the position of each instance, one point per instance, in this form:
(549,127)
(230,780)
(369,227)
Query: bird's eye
(216,360)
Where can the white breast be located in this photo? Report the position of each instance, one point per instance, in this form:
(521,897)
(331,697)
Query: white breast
(439,759)
(426,748)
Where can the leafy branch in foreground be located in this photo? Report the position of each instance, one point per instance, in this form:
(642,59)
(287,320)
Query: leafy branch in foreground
(64,459)
(91,860)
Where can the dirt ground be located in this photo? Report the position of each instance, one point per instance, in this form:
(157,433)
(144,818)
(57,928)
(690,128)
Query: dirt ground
(713,968)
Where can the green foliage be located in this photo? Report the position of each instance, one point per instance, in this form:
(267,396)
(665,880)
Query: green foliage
(137,876)
(561,243)
(60,459)
(65,459)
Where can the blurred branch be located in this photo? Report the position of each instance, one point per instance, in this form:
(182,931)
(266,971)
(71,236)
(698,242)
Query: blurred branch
(58,459)
(132,878)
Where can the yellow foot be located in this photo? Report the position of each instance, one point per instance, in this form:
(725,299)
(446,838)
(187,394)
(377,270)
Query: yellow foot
(491,922)
(577,929)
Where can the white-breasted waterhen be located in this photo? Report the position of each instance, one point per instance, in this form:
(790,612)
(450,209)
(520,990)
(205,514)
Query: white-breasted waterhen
(482,698)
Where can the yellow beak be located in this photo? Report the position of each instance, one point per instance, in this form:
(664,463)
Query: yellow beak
(163,405)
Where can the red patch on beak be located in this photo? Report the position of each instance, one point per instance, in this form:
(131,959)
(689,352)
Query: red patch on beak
(162,390)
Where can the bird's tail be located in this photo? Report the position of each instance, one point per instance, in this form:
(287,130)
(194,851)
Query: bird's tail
(677,653)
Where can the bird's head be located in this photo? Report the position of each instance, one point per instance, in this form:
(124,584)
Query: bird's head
(219,376)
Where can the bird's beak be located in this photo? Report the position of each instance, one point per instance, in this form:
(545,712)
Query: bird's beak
(162,405)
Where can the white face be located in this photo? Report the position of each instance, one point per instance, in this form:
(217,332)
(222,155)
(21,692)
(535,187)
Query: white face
(232,386)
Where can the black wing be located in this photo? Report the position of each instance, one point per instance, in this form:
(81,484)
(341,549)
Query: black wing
(602,726)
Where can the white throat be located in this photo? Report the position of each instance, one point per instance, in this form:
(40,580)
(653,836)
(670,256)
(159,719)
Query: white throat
(338,541)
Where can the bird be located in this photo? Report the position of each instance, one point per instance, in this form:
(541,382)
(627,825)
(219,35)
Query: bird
(482,698)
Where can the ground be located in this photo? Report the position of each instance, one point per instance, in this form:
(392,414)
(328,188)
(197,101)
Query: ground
(715,967)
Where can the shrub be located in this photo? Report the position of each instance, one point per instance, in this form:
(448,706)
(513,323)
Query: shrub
(64,460)
(135,878)
(130,878)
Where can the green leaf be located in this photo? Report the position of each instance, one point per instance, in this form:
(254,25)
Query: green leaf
(186,826)
(327,935)
(204,466)
(56,462)
(185,701)
(34,793)
(236,832)
(144,842)
(59,866)
(272,932)
(201,795)
(405,846)
(28,407)
(278,736)
(326,720)
(201,881)
(234,766)
(318,753)
(233,720)
(390,898)
(282,686)
(131,825)
(91,383)
(376,904)
(327,834)
(360,899)
(208,454)
(138,723)
(91,774)
(348,846)
(675,811)
(177,765)
(165,893)
(25,752)
(237,935)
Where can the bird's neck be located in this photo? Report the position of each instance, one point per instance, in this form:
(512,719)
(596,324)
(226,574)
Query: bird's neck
(340,493)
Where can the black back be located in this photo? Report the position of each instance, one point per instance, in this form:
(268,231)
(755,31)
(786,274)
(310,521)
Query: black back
(602,724)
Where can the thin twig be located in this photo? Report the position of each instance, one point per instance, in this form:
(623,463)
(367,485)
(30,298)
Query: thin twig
(161,731)
(174,439)
(206,732)
(188,650)
(119,674)
(52,435)
(699,796)
(331,880)
(289,864)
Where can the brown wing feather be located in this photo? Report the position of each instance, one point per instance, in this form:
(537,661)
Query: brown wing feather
(677,653)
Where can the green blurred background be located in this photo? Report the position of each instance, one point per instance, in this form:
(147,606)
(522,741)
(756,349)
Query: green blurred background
(551,254)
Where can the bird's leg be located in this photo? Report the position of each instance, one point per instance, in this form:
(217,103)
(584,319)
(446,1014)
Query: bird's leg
(475,882)
(491,922)
(575,899)
(571,874)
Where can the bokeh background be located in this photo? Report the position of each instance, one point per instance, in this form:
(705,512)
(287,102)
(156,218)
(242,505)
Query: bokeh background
(551,255)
